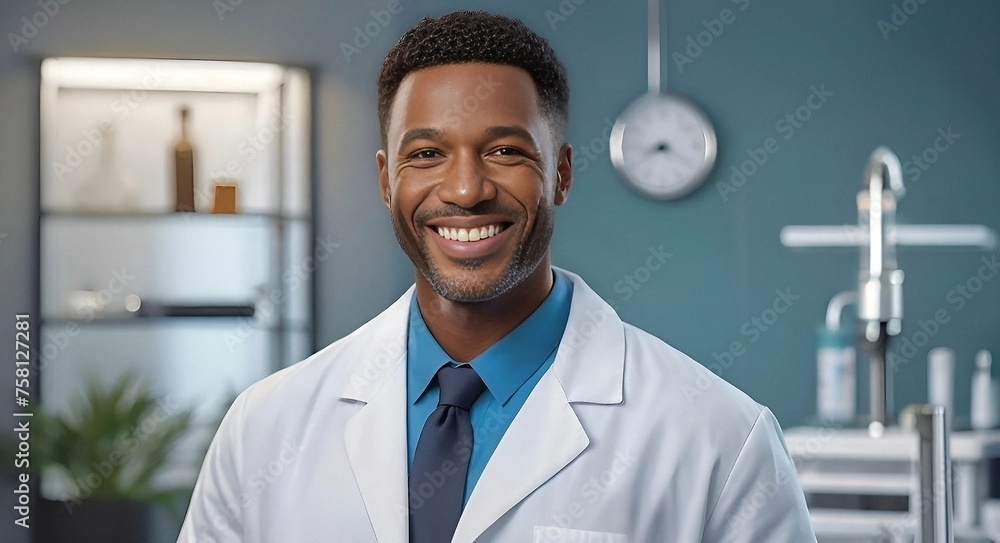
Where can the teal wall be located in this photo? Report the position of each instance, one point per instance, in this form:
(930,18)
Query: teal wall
(939,69)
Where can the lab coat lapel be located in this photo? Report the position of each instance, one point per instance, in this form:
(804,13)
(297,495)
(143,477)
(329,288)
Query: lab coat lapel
(375,437)
(546,435)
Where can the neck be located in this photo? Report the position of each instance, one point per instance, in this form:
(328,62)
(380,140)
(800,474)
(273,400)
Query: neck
(465,329)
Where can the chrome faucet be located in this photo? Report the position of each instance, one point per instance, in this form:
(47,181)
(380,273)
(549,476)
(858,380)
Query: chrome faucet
(880,281)
(880,298)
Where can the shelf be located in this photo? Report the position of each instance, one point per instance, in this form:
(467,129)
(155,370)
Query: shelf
(874,484)
(855,445)
(195,310)
(108,233)
(98,215)
(132,321)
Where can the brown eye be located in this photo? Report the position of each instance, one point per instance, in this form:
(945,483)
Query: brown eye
(426,153)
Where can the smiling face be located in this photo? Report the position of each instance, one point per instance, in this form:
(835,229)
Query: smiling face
(471,173)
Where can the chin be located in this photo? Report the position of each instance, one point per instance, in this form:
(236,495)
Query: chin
(477,284)
(468,287)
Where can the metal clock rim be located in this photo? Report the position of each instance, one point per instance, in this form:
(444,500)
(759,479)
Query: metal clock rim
(617,150)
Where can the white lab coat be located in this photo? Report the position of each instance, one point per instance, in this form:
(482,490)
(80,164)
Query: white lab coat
(623,439)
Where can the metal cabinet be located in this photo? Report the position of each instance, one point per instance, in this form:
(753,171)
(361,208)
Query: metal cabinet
(200,304)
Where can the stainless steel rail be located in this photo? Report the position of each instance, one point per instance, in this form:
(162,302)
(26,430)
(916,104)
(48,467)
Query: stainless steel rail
(935,475)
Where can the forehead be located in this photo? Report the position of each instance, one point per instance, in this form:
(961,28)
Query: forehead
(464,97)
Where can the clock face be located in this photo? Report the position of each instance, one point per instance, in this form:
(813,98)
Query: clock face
(663,146)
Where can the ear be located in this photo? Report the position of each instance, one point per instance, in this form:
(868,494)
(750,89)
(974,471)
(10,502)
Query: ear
(564,173)
(382,162)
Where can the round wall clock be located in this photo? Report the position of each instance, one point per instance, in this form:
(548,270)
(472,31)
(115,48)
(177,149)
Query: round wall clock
(663,145)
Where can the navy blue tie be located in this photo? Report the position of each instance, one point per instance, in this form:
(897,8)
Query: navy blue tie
(441,461)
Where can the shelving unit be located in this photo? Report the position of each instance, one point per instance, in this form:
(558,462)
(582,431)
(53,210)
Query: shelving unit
(861,488)
(200,304)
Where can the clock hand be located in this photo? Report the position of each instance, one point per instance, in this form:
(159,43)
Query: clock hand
(660,147)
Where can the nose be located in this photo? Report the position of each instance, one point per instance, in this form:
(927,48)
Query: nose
(466,182)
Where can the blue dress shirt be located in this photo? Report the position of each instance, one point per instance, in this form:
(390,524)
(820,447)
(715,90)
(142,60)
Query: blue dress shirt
(510,368)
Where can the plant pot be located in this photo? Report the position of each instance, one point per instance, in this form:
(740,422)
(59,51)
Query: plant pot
(93,521)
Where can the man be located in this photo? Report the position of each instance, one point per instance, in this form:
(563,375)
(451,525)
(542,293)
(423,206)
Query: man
(499,399)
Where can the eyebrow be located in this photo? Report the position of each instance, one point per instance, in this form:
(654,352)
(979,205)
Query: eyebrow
(493,132)
(511,131)
(420,134)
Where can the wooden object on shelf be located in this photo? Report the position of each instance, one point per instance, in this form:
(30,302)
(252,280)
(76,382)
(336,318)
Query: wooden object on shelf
(200,276)
(224,200)
(184,167)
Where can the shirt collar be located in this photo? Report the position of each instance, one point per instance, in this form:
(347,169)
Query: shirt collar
(508,363)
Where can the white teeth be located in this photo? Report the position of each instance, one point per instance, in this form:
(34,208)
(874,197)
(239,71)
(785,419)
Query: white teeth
(473,234)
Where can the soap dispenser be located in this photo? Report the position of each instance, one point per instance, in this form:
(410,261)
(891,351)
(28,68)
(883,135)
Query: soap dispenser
(984,394)
(836,365)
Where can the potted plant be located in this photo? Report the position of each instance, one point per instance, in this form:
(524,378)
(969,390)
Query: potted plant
(104,454)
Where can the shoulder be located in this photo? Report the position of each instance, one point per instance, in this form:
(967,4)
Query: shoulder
(351,368)
(324,369)
(604,360)
(733,449)
(662,378)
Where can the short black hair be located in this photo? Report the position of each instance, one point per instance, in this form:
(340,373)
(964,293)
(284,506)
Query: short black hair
(475,36)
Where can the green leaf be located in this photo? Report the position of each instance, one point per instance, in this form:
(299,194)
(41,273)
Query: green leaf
(113,442)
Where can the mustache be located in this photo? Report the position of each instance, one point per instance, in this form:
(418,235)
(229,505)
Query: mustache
(451,210)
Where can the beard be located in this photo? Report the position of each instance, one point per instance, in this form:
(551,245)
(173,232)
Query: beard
(469,286)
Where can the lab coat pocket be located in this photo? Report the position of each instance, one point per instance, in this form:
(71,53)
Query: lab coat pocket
(552,534)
